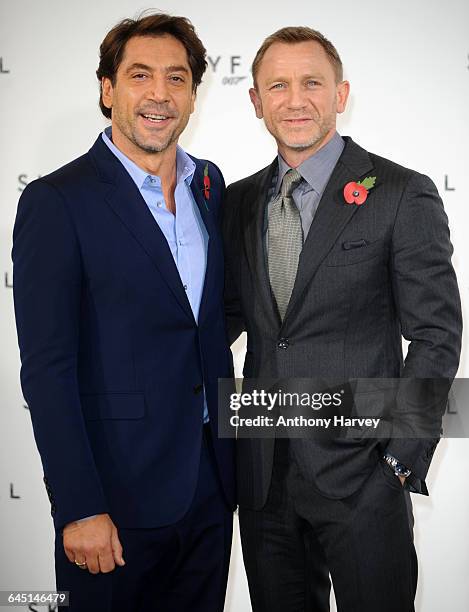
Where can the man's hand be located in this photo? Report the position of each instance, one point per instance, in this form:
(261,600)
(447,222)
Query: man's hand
(95,541)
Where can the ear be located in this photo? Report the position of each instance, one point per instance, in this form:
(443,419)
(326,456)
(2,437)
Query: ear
(343,90)
(256,101)
(107,92)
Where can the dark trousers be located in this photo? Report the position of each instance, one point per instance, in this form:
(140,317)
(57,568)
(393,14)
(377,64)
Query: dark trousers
(365,541)
(179,568)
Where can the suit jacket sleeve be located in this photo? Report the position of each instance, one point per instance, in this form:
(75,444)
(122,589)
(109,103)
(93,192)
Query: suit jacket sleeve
(48,282)
(427,300)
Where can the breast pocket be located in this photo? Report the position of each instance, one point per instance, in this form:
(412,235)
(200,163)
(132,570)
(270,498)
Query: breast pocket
(353,252)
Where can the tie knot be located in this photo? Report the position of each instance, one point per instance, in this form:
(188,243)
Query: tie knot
(290,182)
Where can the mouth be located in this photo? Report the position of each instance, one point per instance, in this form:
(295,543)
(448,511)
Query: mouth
(156,119)
(297,121)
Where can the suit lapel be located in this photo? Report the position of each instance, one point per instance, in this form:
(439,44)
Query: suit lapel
(124,198)
(331,217)
(253,224)
(213,238)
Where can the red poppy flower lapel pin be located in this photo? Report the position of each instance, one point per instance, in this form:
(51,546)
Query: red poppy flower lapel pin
(357,192)
(206,185)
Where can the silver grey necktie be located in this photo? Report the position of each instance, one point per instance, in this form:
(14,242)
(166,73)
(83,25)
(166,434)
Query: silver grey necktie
(285,241)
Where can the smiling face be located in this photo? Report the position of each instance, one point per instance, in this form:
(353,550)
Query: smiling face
(152,97)
(298,97)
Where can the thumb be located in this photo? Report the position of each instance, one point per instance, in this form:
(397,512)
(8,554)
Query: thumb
(116,547)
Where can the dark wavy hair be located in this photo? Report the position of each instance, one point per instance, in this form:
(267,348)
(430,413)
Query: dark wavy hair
(111,50)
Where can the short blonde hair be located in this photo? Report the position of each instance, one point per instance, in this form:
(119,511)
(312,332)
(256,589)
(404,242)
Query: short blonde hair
(297,34)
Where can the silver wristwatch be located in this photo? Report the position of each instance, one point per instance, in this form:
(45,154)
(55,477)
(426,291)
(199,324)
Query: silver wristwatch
(399,468)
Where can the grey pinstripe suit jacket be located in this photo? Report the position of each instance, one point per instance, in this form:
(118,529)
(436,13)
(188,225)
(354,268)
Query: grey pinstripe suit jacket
(349,309)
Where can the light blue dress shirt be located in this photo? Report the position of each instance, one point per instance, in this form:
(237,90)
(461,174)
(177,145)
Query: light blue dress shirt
(185,232)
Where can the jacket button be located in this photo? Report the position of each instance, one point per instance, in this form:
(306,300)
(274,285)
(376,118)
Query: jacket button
(197,389)
(283,344)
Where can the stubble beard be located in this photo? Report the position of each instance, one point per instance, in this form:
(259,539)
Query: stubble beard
(153,148)
(324,127)
(131,132)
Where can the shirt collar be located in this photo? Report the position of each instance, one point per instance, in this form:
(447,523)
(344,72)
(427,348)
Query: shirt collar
(185,167)
(315,170)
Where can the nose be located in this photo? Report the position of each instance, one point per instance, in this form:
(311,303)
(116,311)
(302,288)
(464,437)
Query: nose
(157,90)
(296,99)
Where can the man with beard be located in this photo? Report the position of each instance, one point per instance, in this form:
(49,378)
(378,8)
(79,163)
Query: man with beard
(118,281)
(333,254)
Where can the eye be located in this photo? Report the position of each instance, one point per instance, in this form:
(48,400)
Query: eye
(139,76)
(176,78)
(277,86)
(312,83)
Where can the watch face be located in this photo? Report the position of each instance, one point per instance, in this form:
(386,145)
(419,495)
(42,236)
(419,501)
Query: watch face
(401,470)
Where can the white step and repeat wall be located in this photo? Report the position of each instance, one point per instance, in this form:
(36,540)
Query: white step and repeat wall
(408,67)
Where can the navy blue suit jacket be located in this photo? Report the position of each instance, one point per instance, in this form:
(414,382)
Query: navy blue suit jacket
(113,361)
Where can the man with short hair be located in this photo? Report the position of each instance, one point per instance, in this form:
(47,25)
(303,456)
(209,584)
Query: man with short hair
(118,282)
(333,254)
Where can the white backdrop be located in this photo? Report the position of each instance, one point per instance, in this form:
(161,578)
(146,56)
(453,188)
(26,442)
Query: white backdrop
(408,67)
